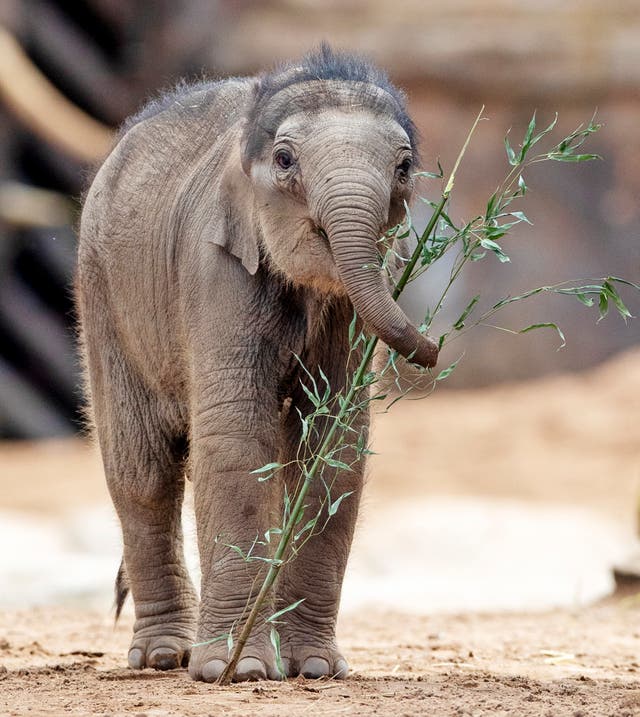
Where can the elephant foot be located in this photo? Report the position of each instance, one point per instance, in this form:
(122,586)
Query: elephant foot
(314,661)
(163,652)
(257,663)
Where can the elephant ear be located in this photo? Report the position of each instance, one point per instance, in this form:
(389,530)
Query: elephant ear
(239,235)
(216,204)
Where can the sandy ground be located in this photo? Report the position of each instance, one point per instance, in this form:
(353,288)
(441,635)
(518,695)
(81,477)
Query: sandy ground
(566,441)
(59,662)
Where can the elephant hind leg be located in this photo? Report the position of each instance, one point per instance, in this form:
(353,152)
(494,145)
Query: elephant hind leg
(145,475)
(146,482)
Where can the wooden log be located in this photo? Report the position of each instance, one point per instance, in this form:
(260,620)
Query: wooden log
(44,110)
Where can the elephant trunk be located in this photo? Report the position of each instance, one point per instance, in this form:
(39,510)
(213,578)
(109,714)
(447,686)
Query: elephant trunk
(353,235)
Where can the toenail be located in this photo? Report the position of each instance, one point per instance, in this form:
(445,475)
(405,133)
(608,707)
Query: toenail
(250,669)
(341,669)
(212,670)
(315,667)
(136,658)
(163,658)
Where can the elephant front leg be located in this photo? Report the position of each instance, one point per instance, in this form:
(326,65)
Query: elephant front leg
(233,511)
(308,636)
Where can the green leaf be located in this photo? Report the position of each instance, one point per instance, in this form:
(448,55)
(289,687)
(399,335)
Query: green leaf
(447,220)
(267,472)
(333,508)
(237,549)
(526,295)
(586,300)
(495,248)
(309,525)
(338,464)
(573,290)
(526,143)
(315,400)
(429,175)
(445,373)
(491,206)
(546,325)
(352,328)
(270,532)
(520,216)
(565,157)
(327,391)
(617,301)
(274,636)
(314,396)
(495,232)
(268,467)
(284,610)
(522,186)
(626,282)
(262,559)
(304,422)
(511,155)
(459,324)
(603,304)
(211,641)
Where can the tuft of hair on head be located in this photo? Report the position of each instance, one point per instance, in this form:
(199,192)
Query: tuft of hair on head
(324,63)
(121,589)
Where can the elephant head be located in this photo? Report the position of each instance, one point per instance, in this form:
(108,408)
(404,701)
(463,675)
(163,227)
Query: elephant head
(328,147)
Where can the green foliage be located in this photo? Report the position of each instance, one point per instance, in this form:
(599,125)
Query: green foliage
(330,423)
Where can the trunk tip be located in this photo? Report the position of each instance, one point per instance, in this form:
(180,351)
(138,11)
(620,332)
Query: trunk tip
(426,353)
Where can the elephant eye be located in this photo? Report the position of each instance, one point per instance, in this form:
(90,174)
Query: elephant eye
(283,158)
(404,166)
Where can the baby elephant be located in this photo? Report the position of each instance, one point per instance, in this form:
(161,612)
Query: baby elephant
(233,227)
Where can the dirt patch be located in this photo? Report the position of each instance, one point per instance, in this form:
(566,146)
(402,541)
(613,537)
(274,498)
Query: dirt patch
(55,661)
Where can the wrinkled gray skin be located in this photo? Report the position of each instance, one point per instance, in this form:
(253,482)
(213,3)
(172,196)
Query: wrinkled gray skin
(202,271)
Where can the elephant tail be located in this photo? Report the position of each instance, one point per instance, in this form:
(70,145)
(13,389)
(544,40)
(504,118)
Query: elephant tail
(121,588)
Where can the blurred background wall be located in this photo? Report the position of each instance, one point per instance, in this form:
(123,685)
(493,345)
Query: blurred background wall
(107,56)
